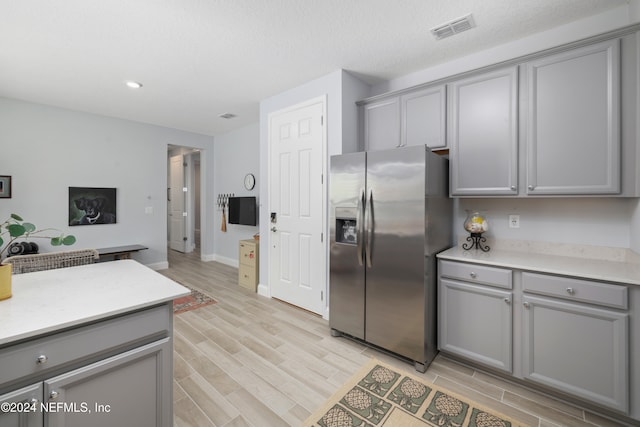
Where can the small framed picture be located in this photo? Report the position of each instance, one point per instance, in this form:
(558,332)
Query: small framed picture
(5,187)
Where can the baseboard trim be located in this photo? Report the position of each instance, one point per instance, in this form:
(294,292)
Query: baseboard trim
(158,265)
(227,261)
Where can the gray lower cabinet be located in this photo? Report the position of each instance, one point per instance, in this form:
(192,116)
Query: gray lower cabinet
(573,121)
(573,335)
(483,134)
(126,389)
(578,349)
(114,372)
(475,323)
(22,410)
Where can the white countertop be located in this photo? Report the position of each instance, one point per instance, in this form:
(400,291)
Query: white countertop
(47,301)
(610,271)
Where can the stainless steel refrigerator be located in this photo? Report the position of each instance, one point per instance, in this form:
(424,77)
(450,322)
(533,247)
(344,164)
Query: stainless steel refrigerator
(390,215)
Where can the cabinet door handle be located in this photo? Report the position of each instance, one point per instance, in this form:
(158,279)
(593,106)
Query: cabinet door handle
(513,188)
(507,300)
(531,187)
(571,291)
(473,275)
(42,359)
(53,395)
(526,304)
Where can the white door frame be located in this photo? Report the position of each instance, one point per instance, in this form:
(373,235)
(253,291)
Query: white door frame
(187,153)
(324,168)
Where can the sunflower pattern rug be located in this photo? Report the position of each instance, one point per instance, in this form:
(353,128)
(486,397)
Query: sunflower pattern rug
(381,395)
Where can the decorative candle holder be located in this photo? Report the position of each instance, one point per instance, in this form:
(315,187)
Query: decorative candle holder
(476,224)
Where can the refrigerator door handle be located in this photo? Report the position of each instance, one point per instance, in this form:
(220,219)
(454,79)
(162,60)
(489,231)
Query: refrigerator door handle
(360,227)
(370,230)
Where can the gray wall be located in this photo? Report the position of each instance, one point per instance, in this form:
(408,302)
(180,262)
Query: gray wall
(46,150)
(236,154)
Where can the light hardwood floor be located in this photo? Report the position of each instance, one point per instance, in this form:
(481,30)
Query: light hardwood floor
(254,361)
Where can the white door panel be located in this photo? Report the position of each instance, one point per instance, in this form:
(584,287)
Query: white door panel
(297,248)
(177,219)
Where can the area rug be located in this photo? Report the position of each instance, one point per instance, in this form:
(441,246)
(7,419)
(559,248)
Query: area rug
(381,395)
(192,301)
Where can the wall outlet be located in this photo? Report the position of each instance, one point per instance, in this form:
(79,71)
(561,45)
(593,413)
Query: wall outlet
(514,221)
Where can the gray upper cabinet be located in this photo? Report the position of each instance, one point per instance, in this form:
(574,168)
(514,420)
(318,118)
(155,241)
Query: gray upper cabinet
(423,114)
(483,134)
(414,118)
(556,123)
(382,124)
(573,121)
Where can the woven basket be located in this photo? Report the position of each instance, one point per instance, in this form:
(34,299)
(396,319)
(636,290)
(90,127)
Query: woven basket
(48,261)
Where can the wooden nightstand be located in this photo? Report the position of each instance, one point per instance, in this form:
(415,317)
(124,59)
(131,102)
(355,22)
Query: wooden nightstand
(248,270)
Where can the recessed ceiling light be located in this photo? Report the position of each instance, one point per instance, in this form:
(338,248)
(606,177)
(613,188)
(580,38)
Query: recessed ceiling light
(133,85)
(227,116)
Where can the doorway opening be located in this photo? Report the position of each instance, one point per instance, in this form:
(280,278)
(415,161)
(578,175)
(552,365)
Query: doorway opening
(184,199)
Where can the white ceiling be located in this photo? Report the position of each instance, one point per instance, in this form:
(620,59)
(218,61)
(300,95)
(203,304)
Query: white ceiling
(200,58)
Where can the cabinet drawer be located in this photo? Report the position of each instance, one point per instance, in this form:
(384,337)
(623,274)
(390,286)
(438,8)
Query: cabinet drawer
(248,253)
(576,289)
(247,277)
(475,273)
(66,349)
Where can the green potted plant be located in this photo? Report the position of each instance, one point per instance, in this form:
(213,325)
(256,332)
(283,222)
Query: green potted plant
(15,228)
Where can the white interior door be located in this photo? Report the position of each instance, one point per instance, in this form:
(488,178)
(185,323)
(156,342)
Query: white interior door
(177,213)
(297,254)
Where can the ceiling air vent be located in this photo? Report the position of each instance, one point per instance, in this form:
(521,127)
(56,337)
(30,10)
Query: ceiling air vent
(452,27)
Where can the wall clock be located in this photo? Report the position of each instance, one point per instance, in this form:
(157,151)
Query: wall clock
(249,181)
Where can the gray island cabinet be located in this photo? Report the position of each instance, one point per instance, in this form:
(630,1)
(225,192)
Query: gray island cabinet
(566,326)
(90,345)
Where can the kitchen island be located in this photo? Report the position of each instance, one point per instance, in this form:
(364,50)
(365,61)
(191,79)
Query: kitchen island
(565,325)
(88,345)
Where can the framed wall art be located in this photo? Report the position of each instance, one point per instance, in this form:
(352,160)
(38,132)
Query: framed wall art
(5,187)
(91,206)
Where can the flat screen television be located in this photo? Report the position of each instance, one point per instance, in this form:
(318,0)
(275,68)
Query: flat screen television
(243,210)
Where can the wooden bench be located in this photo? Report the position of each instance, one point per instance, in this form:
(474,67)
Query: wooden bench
(120,252)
